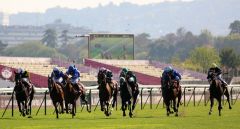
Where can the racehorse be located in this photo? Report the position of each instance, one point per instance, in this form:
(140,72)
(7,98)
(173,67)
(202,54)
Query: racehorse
(170,92)
(71,95)
(107,93)
(56,94)
(217,91)
(24,95)
(128,91)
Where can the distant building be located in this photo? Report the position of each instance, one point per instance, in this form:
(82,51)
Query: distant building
(13,35)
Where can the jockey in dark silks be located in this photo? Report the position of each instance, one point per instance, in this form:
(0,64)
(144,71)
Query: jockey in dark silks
(218,72)
(109,75)
(24,76)
(58,76)
(75,76)
(169,74)
(132,80)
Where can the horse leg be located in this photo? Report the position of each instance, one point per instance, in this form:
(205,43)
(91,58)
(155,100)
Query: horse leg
(114,98)
(73,109)
(135,95)
(123,107)
(19,107)
(56,109)
(83,98)
(66,106)
(61,103)
(102,105)
(107,109)
(226,93)
(174,107)
(130,109)
(167,103)
(23,108)
(211,105)
(219,105)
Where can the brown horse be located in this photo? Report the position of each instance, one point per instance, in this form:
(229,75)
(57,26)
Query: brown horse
(217,91)
(107,93)
(56,94)
(24,95)
(71,95)
(170,92)
(128,91)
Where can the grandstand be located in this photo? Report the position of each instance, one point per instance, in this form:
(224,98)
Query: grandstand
(39,68)
(147,68)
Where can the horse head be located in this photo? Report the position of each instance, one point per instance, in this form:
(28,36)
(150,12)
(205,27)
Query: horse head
(102,78)
(50,83)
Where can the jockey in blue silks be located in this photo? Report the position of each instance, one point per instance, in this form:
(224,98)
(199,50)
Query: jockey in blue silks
(168,74)
(57,75)
(75,74)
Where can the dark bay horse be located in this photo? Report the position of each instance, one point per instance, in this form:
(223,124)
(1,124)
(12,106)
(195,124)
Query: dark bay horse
(172,92)
(71,95)
(24,95)
(217,91)
(107,93)
(56,94)
(128,91)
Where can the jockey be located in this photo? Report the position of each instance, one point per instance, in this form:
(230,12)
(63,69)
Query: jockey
(75,76)
(218,72)
(109,75)
(57,76)
(24,76)
(168,74)
(131,78)
(123,72)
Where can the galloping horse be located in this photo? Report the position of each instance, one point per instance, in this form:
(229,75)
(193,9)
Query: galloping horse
(128,91)
(170,92)
(217,91)
(71,95)
(106,93)
(23,95)
(56,94)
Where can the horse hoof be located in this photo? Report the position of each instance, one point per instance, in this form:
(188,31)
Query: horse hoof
(167,114)
(29,116)
(124,114)
(130,115)
(176,115)
(209,113)
(230,107)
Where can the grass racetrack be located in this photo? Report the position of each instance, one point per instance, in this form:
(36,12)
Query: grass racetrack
(189,118)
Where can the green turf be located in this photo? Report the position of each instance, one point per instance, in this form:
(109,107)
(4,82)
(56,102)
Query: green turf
(190,118)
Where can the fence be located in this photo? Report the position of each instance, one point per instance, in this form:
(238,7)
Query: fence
(149,94)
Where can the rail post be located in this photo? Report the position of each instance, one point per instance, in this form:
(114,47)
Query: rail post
(150,93)
(45,103)
(141,99)
(12,103)
(184,96)
(231,91)
(194,97)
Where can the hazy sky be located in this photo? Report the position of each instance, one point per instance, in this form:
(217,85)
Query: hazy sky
(14,6)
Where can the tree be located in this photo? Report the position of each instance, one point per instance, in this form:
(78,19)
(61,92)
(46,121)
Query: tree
(204,57)
(64,37)
(142,43)
(2,46)
(229,58)
(235,27)
(34,49)
(50,38)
